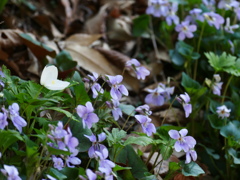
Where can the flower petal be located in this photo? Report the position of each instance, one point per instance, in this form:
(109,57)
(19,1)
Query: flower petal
(49,73)
(174,134)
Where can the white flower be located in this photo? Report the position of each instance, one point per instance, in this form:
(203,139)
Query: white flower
(223,111)
(49,79)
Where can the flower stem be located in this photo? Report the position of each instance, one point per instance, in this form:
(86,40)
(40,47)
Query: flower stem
(226,88)
(198,49)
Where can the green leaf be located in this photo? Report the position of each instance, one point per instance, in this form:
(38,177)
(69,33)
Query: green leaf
(219,63)
(81,95)
(119,168)
(235,155)
(65,61)
(173,168)
(2,4)
(210,151)
(184,49)
(115,137)
(7,138)
(192,87)
(140,25)
(176,58)
(54,151)
(215,121)
(68,114)
(141,140)
(166,150)
(191,169)
(235,69)
(127,109)
(129,157)
(56,174)
(232,129)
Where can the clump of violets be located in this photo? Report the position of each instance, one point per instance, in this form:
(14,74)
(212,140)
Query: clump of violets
(140,70)
(100,153)
(11,172)
(159,95)
(117,89)
(96,146)
(185,29)
(213,19)
(62,139)
(184,99)
(223,111)
(17,120)
(184,143)
(87,114)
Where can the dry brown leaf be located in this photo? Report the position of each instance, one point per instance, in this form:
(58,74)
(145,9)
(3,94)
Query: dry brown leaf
(172,115)
(10,38)
(89,59)
(83,39)
(116,58)
(96,24)
(119,29)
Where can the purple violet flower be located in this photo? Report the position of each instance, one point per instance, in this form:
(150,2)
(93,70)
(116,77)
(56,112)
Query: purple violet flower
(140,70)
(10,172)
(71,142)
(195,14)
(2,75)
(185,29)
(155,97)
(105,166)
(210,4)
(72,160)
(223,112)
(116,111)
(191,154)
(91,175)
(87,115)
(158,8)
(229,28)
(217,85)
(144,109)
(96,87)
(3,119)
(214,19)
(117,89)
(184,99)
(171,16)
(147,127)
(17,120)
(227,4)
(183,142)
(57,163)
(97,150)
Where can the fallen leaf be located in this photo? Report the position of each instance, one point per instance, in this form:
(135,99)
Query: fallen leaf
(89,59)
(83,39)
(39,49)
(96,24)
(10,38)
